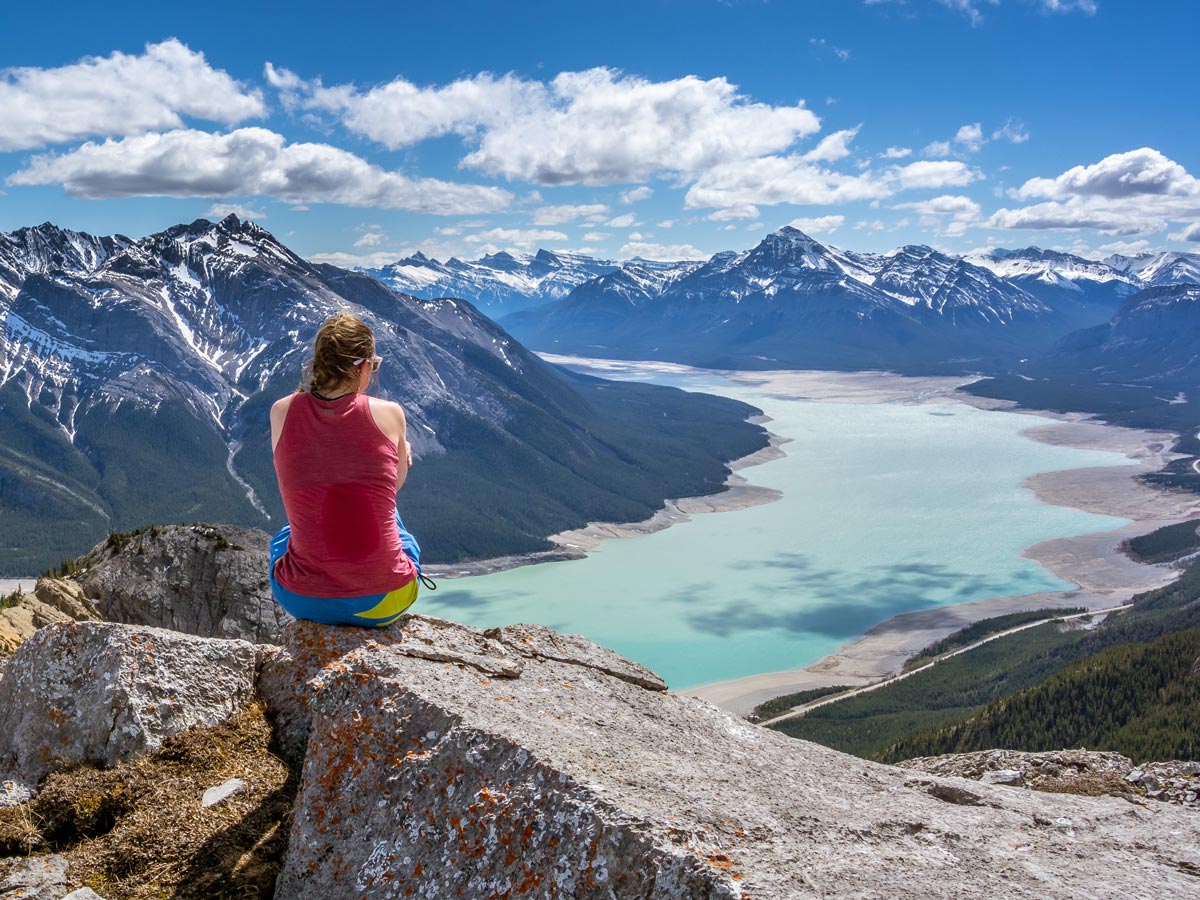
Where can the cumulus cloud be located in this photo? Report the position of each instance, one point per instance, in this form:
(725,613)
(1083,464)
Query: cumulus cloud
(1065,6)
(597,126)
(775,179)
(221,210)
(120,94)
(1138,172)
(246,162)
(636,195)
(661,251)
(832,147)
(1188,233)
(970,137)
(935,174)
(520,237)
(1012,131)
(1136,192)
(952,214)
(371,239)
(595,236)
(936,149)
(557,215)
(896,152)
(626,221)
(819,224)
(746,211)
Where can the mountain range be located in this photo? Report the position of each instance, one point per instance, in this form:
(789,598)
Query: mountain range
(136,376)
(795,301)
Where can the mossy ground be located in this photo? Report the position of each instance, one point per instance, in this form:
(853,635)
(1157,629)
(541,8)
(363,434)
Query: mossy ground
(137,831)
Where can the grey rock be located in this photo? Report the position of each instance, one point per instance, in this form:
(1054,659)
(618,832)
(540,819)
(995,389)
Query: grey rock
(34,878)
(222,792)
(546,643)
(1002,776)
(207,580)
(103,693)
(67,596)
(289,677)
(565,781)
(84,893)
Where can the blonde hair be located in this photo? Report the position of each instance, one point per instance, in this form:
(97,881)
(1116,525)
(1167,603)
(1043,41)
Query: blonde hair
(342,339)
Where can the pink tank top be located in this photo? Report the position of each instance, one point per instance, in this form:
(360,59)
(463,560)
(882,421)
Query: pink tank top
(337,475)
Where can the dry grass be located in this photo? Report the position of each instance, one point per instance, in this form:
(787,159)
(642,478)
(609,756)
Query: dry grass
(137,831)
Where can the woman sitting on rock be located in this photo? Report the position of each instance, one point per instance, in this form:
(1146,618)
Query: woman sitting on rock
(344,556)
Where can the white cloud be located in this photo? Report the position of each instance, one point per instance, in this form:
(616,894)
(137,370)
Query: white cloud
(595,236)
(371,239)
(636,236)
(661,251)
(937,148)
(557,215)
(969,8)
(636,195)
(1188,233)
(120,94)
(375,260)
(516,236)
(1124,248)
(447,231)
(1137,172)
(247,162)
(1137,192)
(896,152)
(774,179)
(221,210)
(1065,6)
(733,213)
(970,137)
(819,225)
(935,174)
(832,147)
(666,223)
(597,126)
(626,221)
(962,213)
(1011,131)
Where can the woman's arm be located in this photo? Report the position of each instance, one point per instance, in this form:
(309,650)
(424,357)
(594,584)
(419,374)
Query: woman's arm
(389,417)
(279,410)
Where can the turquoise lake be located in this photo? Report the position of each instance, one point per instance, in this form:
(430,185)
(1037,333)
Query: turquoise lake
(887,507)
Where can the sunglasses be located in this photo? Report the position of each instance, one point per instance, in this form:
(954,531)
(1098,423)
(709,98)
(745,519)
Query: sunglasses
(374,361)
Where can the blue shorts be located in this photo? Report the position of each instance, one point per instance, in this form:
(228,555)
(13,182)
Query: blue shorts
(371,610)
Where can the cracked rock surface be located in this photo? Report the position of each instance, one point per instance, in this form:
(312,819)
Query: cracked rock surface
(434,777)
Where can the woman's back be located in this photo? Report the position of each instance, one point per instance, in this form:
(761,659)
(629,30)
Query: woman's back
(337,474)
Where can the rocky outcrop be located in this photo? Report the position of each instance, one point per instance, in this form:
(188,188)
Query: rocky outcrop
(439,760)
(461,777)
(53,600)
(207,580)
(102,693)
(1071,772)
(34,878)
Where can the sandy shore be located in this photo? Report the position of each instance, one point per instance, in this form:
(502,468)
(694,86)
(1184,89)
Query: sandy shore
(8,585)
(578,542)
(1104,576)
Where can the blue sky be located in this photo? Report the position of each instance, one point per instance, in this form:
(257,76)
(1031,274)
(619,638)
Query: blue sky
(360,132)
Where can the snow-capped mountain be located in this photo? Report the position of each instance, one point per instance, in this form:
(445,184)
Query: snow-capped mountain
(498,283)
(1157,269)
(136,377)
(794,301)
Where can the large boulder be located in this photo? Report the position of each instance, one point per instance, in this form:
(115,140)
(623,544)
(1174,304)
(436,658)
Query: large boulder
(433,766)
(103,693)
(207,580)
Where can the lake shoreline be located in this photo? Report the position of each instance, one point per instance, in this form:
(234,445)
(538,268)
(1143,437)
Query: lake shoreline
(1103,574)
